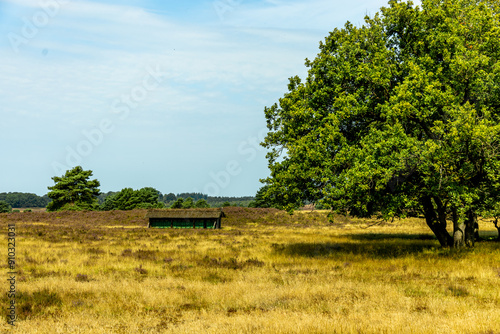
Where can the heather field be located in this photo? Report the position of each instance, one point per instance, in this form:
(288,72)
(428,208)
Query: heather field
(264,272)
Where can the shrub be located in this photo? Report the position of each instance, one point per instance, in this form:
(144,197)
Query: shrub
(5,207)
(82,278)
(178,203)
(37,303)
(141,270)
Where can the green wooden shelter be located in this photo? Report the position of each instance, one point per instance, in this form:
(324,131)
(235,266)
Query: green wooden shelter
(185,218)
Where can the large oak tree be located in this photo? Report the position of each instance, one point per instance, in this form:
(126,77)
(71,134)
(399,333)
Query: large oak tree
(398,116)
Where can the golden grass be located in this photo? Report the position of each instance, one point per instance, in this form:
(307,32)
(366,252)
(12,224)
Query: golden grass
(264,272)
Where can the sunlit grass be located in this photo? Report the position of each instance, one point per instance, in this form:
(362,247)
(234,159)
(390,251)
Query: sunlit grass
(264,272)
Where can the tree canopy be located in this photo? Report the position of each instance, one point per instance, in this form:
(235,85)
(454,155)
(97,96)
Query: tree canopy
(201,203)
(398,116)
(74,191)
(5,207)
(261,200)
(188,203)
(128,199)
(24,200)
(178,204)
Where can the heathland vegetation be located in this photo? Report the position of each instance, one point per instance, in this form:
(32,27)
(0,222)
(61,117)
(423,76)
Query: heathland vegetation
(265,271)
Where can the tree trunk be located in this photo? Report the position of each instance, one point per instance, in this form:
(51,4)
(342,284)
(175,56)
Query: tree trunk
(471,227)
(458,234)
(464,232)
(476,231)
(438,226)
(497,227)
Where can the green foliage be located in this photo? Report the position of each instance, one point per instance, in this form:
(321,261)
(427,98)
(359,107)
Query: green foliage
(261,200)
(168,200)
(188,203)
(194,196)
(400,115)
(234,203)
(213,201)
(169,197)
(178,203)
(201,203)
(74,191)
(102,196)
(73,207)
(129,199)
(25,200)
(5,207)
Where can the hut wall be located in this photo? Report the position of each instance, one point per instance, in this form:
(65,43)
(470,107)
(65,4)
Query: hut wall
(184,223)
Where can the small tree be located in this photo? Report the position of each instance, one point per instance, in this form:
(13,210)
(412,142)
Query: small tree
(201,203)
(5,207)
(169,197)
(74,191)
(261,201)
(188,203)
(109,203)
(178,203)
(149,195)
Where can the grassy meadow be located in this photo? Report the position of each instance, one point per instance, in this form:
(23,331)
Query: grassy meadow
(264,272)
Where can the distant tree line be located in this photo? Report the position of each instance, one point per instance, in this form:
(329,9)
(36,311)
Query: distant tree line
(25,200)
(76,191)
(128,199)
(150,197)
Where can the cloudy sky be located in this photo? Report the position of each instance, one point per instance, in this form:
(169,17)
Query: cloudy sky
(153,93)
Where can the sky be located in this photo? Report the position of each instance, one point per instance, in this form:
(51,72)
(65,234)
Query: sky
(153,93)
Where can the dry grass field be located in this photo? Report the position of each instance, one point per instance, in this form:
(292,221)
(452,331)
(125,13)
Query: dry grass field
(264,272)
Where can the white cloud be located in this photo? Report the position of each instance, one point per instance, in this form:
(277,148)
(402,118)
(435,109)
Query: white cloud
(299,15)
(24,3)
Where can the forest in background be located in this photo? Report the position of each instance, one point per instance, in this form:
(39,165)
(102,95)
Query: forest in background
(30,200)
(25,200)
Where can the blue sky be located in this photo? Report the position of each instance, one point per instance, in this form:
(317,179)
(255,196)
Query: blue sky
(163,94)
